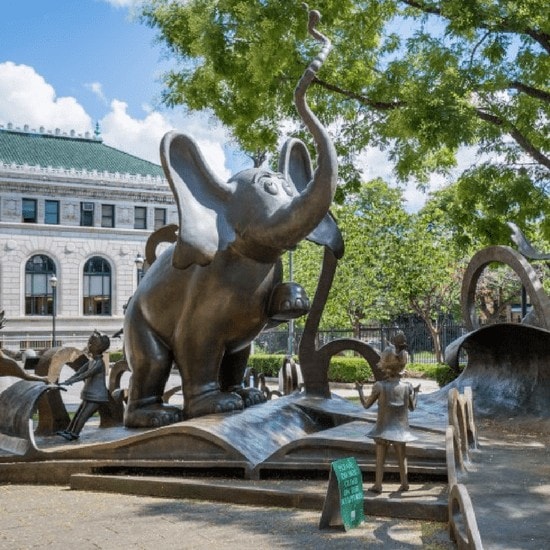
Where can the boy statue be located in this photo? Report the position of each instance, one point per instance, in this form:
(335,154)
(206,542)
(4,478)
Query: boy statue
(95,392)
(395,400)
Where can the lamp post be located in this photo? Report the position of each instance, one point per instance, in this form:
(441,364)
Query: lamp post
(290,336)
(139,261)
(53,283)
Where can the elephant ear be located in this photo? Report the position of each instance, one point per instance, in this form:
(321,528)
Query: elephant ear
(201,198)
(295,165)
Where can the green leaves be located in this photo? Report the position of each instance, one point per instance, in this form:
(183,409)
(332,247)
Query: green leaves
(395,262)
(420,78)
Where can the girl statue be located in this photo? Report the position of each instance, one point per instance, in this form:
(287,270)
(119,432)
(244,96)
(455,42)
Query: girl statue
(395,400)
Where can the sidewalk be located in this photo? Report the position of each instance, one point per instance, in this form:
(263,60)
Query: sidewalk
(508,481)
(55,517)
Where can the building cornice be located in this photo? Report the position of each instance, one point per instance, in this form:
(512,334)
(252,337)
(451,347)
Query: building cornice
(94,186)
(72,175)
(77,231)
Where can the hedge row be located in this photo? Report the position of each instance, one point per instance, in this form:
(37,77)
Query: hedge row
(342,369)
(350,369)
(115,356)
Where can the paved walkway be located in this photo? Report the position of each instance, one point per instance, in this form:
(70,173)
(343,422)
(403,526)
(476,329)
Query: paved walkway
(508,481)
(55,517)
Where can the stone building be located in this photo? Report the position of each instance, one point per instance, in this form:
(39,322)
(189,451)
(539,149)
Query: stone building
(74,217)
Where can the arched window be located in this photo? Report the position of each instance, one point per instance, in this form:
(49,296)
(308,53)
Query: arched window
(38,289)
(97,287)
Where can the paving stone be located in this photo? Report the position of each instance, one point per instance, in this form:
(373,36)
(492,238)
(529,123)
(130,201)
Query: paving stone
(53,517)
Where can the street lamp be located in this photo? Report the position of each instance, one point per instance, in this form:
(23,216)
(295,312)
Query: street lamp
(53,283)
(139,261)
(290,336)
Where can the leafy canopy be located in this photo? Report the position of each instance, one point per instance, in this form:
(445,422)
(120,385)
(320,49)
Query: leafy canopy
(418,78)
(395,262)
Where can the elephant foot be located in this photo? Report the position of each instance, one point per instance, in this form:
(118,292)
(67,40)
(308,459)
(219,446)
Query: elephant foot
(288,301)
(151,415)
(251,396)
(212,403)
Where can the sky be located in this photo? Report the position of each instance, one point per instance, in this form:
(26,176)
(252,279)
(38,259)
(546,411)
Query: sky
(70,64)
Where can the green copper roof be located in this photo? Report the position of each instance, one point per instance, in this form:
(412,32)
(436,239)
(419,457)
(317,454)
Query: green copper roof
(54,151)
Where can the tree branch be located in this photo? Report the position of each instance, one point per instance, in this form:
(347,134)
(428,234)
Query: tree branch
(505,25)
(516,135)
(542,38)
(530,90)
(380,105)
(422,7)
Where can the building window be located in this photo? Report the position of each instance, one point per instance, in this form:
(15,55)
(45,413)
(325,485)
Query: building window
(140,217)
(160,218)
(97,287)
(51,212)
(107,215)
(87,214)
(38,290)
(29,210)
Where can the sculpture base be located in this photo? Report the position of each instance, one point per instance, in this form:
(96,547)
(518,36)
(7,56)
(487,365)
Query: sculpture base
(293,433)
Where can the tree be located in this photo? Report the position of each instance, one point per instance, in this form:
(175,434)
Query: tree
(430,272)
(418,78)
(478,206)
(371,222)
(498,289)
(396,263)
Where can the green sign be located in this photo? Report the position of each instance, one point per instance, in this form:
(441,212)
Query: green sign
(344,501)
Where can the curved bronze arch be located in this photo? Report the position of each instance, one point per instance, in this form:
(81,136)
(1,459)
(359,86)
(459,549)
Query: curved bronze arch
(315,361)
(514,260)
(18,403)
(166,234)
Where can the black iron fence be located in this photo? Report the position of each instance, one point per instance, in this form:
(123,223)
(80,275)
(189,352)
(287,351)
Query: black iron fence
(421,346)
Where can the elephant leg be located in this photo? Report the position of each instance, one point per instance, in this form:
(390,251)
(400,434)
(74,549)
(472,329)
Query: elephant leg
(288,301)
(231,377)
(198,358)
(150,362)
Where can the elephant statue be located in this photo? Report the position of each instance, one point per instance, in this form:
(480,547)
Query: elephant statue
(206,297)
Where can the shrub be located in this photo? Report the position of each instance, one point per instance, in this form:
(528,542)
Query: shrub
(442,374)
(349,369)
(115,356)
(342,369)
(268,364)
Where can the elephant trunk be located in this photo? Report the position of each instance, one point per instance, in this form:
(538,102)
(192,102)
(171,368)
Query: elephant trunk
(305,212)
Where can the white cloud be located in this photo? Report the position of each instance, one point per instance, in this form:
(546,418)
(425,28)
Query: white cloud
(97,89)
(28,99)
(123,3)
(141,137)
(374,163)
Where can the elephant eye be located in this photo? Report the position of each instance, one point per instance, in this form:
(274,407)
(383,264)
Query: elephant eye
(270,186)
(286,186)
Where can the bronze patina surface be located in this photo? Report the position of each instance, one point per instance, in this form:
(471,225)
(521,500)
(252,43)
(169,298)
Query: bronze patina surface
(203,301)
